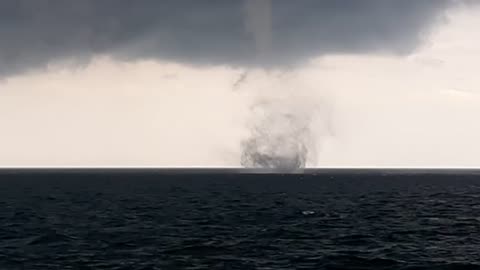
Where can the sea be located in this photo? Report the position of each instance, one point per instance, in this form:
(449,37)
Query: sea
(236,219)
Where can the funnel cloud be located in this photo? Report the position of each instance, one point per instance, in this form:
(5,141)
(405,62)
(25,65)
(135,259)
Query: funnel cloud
(258,21)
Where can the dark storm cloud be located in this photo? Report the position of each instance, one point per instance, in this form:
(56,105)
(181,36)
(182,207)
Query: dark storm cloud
(34,32)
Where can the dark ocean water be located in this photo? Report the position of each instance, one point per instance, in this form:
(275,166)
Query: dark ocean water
(239,221)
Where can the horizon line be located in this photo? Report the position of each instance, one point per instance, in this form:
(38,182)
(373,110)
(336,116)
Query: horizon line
(243,168)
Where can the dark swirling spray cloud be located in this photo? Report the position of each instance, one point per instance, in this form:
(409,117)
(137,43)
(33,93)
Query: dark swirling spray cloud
(281,134)
(34,33)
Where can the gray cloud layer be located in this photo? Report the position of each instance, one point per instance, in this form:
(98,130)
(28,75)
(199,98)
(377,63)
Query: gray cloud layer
(34,32)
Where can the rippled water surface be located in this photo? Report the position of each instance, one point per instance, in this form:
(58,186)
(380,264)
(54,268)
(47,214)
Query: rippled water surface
(239,222)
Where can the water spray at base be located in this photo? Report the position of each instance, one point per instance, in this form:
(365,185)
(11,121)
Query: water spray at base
(277,139)
(283,134)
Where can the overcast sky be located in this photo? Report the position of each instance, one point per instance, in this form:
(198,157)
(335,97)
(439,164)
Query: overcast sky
(172,83)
